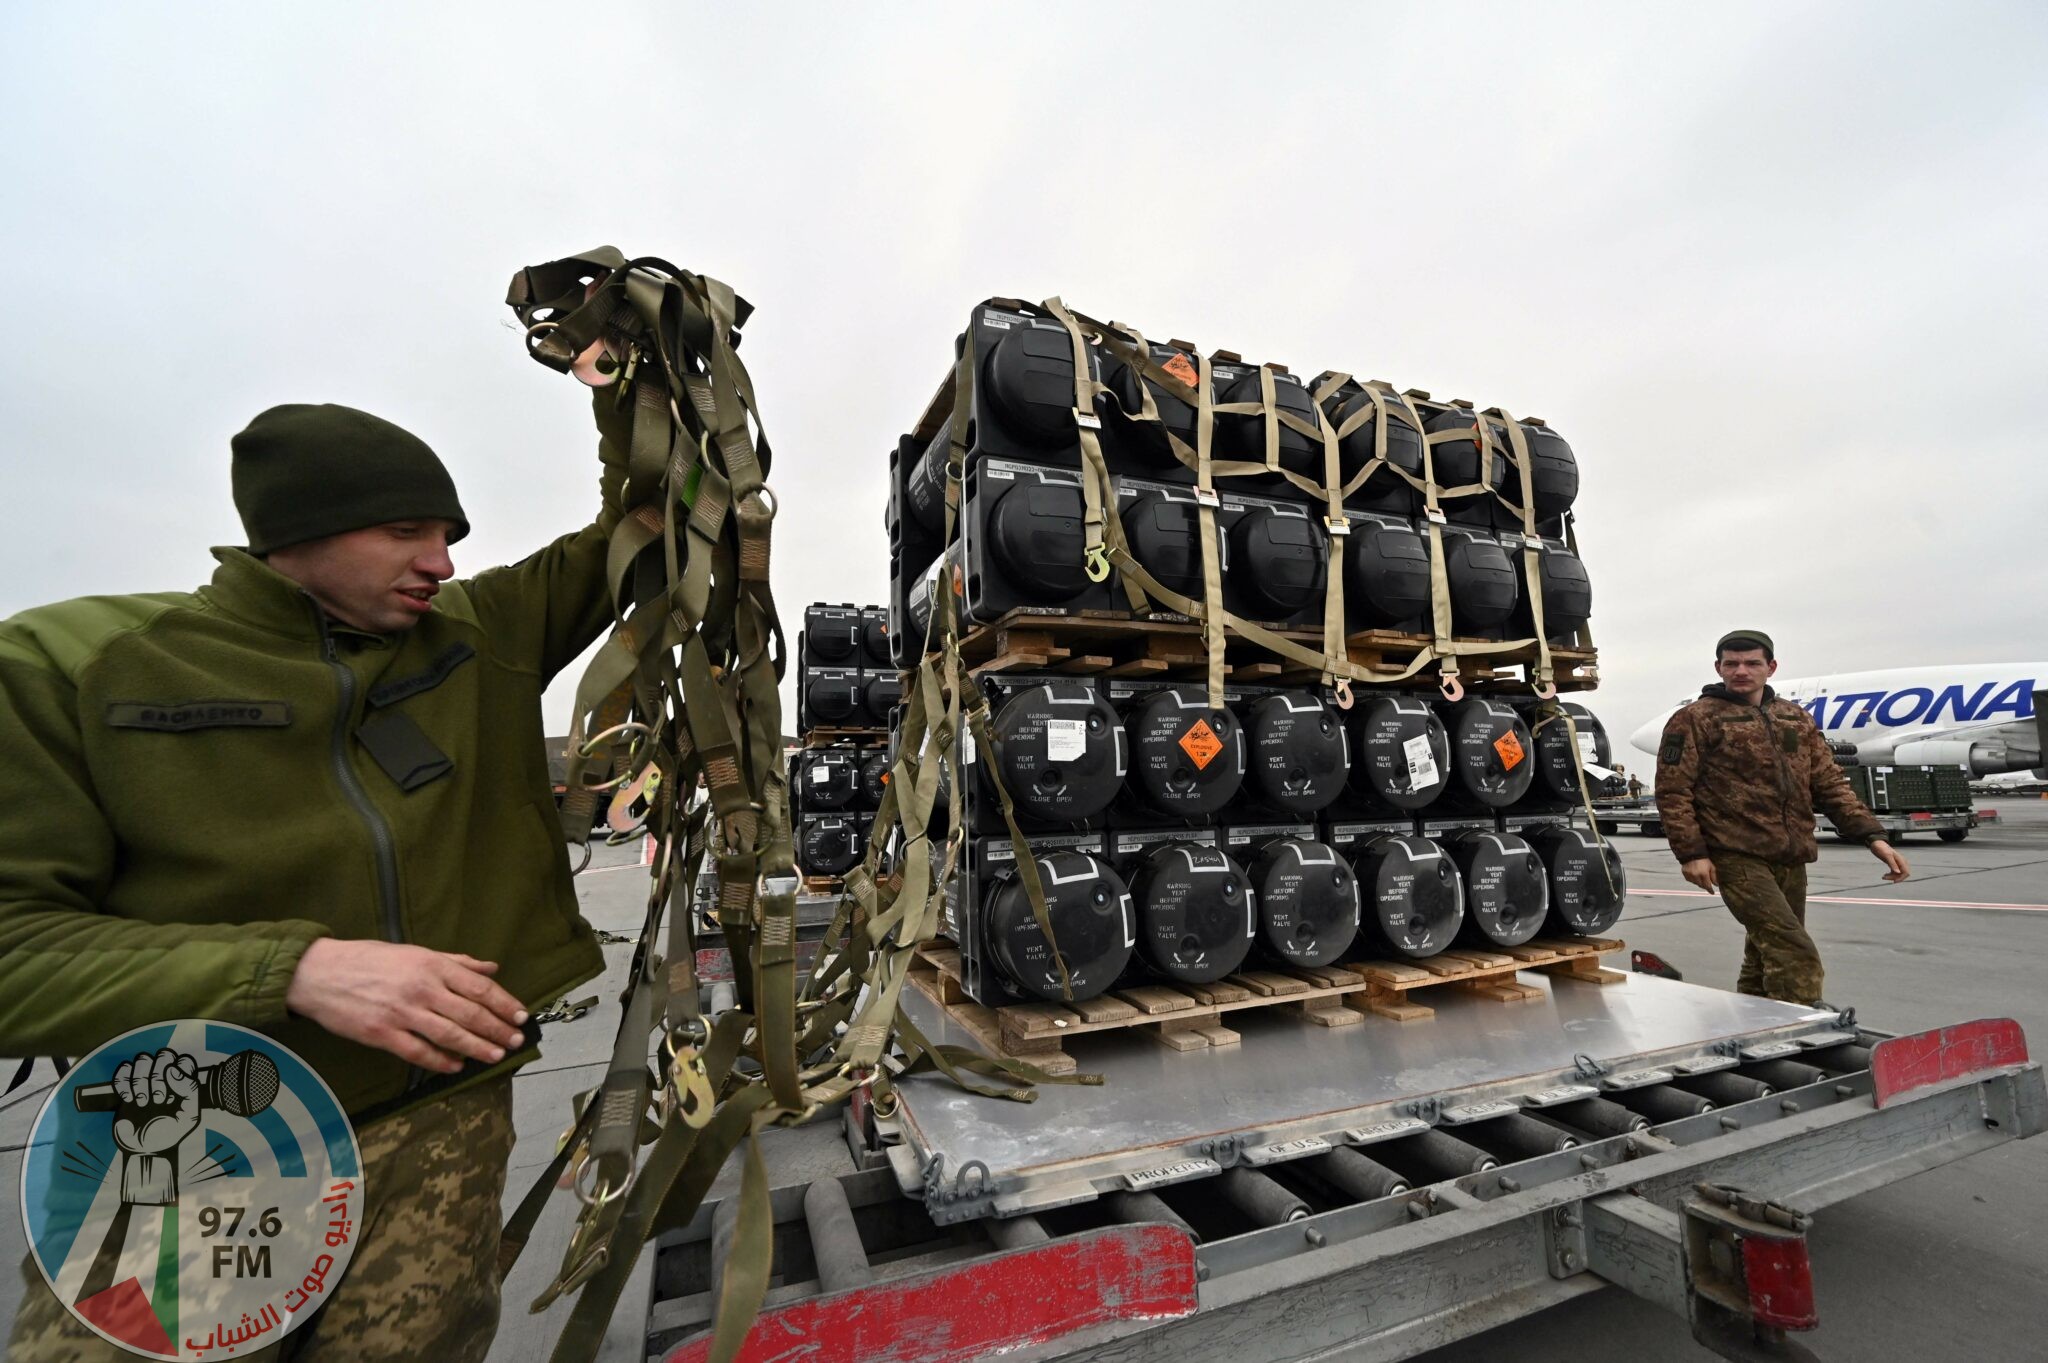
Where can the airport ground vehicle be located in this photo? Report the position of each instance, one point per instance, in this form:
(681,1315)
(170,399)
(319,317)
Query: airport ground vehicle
(1364,1192)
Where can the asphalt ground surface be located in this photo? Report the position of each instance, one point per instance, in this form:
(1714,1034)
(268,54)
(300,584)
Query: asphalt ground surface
(1948,1264)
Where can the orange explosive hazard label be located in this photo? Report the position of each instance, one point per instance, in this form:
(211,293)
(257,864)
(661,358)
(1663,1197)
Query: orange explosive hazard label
(1510,749)
(1183,368)
(1201,744)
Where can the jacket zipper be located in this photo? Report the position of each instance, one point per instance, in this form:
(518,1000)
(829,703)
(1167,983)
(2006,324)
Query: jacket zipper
(1784,776)
(359,800)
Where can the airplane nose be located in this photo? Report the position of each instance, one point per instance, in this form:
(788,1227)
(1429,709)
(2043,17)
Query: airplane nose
(1646,738)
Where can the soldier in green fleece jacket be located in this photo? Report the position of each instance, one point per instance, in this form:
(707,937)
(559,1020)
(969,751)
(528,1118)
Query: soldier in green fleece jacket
(312,797)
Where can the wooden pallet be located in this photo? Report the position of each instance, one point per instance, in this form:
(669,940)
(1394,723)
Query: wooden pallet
(1188,1017)
(1171,647)
(1490,974)
(832,738)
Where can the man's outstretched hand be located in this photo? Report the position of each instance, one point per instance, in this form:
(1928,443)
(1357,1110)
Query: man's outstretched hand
(1895,868)
(428,1008)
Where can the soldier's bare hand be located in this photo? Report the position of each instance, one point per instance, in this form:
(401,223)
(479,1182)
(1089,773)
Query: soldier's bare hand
(1895,868)
(428,1008)
(1700,871)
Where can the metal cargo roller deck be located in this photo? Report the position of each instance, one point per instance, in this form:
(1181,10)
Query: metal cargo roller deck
(1364,1193)
(1196,1113)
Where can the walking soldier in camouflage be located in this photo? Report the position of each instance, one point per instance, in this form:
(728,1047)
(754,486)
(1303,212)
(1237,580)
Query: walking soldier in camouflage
(1738,775)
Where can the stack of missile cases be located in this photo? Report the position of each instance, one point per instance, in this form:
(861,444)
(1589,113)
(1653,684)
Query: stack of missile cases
(847,690)
(1180,842)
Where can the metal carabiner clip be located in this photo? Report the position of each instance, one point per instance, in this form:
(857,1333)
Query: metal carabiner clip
(686,1085)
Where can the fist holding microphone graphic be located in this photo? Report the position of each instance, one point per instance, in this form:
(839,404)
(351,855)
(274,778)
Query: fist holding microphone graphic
(156,1101)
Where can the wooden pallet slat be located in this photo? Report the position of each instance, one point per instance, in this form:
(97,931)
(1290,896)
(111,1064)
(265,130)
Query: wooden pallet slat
(1189,1017)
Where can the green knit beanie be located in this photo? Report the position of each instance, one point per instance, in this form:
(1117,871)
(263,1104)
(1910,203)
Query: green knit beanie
(304,472)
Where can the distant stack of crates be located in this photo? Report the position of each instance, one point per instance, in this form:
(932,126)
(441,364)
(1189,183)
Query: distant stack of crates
(1907,790)
(1178,840)
(847,689)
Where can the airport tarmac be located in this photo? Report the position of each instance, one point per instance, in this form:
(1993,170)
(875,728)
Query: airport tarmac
(1946,1264)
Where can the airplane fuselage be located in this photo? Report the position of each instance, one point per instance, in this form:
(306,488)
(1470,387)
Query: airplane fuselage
(1979,716)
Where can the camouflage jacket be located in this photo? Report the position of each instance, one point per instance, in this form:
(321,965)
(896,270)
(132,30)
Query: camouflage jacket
(1733,777)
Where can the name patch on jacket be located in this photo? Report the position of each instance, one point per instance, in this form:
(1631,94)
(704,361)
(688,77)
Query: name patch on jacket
(198,714)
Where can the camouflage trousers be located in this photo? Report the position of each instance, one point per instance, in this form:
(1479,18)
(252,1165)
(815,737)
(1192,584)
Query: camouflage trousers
(1779,957)
(423,1282)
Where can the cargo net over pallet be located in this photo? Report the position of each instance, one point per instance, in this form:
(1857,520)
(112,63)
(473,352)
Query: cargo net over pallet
(848,687)
(1262,675)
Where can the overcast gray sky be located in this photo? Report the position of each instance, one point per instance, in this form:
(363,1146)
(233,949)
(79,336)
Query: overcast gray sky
(1773,269)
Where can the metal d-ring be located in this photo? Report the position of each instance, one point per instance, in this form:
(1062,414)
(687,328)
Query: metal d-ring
(599,1196)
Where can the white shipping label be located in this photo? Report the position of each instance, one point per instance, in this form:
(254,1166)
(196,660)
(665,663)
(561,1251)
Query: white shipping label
(1588,750)
(1421,762)
(1065,739)
(820,775)
(966,748)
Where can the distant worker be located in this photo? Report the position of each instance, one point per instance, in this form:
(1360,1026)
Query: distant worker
(1635,787)
(1738,775)
(311,797)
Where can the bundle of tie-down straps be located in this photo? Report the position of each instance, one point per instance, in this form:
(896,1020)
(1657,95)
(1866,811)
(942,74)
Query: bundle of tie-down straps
(1106,547)
(678,725)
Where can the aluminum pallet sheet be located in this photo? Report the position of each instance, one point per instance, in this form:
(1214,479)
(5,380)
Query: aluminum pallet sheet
(1289,1081)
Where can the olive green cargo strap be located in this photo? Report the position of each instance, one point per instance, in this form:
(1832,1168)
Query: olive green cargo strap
(684,691)
(1549,711)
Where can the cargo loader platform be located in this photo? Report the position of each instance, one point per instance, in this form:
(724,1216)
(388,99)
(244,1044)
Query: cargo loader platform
(1289,1091)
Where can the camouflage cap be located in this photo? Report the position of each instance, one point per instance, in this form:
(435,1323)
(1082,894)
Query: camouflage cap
(1750,637)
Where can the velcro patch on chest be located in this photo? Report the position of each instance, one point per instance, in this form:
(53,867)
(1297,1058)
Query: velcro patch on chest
(186,715)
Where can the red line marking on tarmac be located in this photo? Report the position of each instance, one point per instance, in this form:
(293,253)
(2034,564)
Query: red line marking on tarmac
(1854,899)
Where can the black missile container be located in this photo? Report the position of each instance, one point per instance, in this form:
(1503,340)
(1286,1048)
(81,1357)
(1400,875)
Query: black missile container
(1297,758)
(826,780)
(1186,761)
(1566,590)
(1005,957)
(1507,889)
(1483,583)
(1242,436)
(1386,574)
(1060,752)
(1400,755)
(1588,882)
(1559,757)
(1384,491)
(1307,895)
(1411,900)
(1490,762)
(876,655)
(1023,406)
(1196,912)
(829,844)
